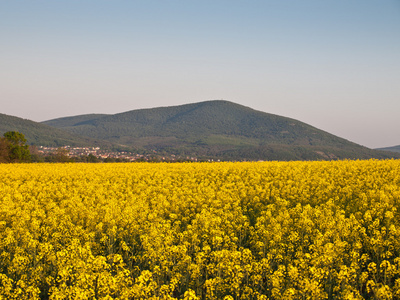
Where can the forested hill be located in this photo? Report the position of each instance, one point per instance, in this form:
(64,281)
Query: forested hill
(41,134)
(204,121)
(74,120)
(215,128)
(393,149)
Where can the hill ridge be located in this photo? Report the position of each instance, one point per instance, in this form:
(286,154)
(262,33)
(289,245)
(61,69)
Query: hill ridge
(217,128)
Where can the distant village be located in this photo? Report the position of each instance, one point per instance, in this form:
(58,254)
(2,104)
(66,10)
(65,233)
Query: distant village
(95,154)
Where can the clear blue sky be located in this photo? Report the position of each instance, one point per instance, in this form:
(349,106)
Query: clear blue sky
(334,64)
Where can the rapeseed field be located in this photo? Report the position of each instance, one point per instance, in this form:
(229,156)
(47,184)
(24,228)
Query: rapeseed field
(256,230)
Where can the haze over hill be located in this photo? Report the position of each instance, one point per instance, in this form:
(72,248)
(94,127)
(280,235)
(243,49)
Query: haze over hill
(215,129)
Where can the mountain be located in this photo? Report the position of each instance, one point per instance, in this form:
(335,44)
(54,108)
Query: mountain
(392,149)
(43,135)
(219,129)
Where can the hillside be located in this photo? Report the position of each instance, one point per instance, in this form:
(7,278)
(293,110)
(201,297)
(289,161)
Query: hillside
(391,149)
(41,134)
(220,129)
(74,120)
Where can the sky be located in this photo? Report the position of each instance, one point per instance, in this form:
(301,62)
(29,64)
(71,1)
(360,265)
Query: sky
(334,64)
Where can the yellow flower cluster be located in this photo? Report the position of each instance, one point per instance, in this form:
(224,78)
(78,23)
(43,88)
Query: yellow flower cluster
(265,230)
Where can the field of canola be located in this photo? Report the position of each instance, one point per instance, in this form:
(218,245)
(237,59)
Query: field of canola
(265,230)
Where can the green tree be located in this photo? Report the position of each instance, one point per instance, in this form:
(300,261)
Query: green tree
(92,159)
(3,150)
(18,150)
